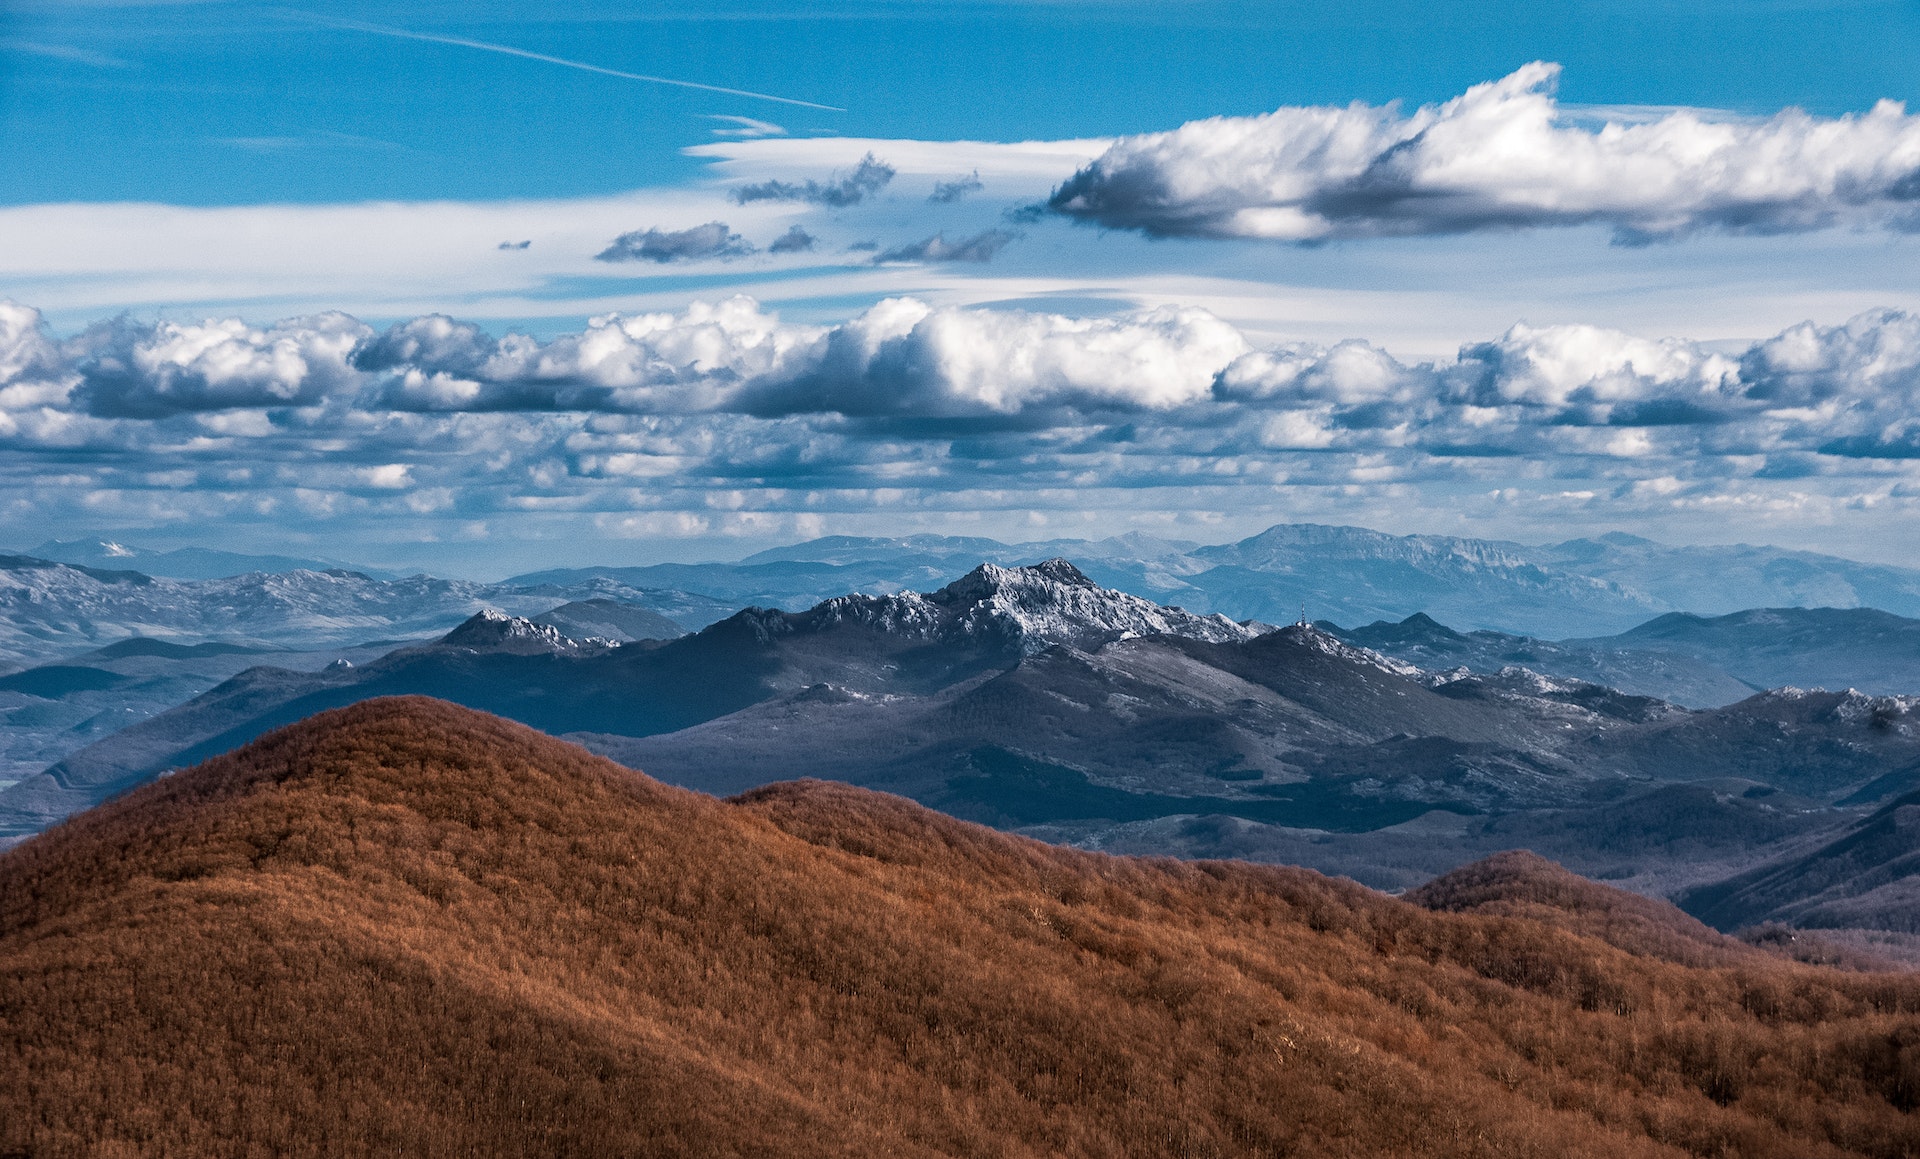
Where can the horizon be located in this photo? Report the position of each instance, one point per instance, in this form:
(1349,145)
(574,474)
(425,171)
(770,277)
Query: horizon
(134,548)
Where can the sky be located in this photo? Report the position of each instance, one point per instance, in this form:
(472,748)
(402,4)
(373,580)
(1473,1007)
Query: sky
(484,287)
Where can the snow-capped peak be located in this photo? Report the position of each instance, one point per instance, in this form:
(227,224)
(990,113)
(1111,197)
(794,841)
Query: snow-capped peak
(490,630)
(1053,602)
(1031,608)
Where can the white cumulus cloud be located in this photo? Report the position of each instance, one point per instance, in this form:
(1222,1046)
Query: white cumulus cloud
(144,371)
(1502,155)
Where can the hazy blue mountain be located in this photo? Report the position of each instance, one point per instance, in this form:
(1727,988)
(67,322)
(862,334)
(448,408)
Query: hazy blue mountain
(1352,575)
(1716,580)
(1693,660)
(1425,643)
(49,712)
(185,562)
(1346,575)
(610,620)
(49,610)
(1835,648)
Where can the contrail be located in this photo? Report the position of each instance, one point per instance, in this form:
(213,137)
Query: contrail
(508,50)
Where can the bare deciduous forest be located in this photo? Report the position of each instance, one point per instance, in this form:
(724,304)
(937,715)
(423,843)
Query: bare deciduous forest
(405,927)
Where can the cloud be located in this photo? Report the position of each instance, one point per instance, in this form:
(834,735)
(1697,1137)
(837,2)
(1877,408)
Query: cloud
(946,192)
(841,190)
(649,363)
(65,52)
(508,50)
(908,406)
(904,357)
(745,128)
(1503,155)
(136,370)
(514,245)
(712,240)
(979,248)
(794,241)
(28,353)
(1851,390)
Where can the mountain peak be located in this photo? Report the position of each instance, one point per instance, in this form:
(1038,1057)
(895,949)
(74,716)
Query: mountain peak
(1053,602)
(1030,608)
(491,630)
(989,577)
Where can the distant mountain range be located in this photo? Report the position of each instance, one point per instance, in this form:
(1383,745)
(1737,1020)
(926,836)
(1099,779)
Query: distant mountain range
(1693,660)
(50,609)
(191,563)
(407,928)
(1346,575)
(1033,699)
(1583,589)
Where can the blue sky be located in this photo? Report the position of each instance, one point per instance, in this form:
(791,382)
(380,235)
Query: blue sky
(1481,311)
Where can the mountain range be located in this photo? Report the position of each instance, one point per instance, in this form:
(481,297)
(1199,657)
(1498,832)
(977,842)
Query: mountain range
(190,563)
(53,610)
(1348,575)
(407,928)
(1626,589)
(1699,661)
(1035,700)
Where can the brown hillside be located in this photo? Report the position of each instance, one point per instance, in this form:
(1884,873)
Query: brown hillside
(407,928)
(1520,884)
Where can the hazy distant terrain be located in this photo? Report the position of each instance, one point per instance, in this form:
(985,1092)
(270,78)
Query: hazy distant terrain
(1347,575)
(1694,660)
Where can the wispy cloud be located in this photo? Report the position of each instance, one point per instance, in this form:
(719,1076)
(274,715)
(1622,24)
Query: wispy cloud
(979,248)
(64,52)
(745,128)
(509,50)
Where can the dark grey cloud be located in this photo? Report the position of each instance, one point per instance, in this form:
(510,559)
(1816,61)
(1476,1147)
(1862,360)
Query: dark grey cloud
(514,245)
(794,241)
(867,178)
(712,240)
(946,192)
(979,248)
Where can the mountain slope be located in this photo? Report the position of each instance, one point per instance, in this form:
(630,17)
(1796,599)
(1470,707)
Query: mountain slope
(406,928)
(1867,879)
(610,620)
(1673,676)
(1823,647)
